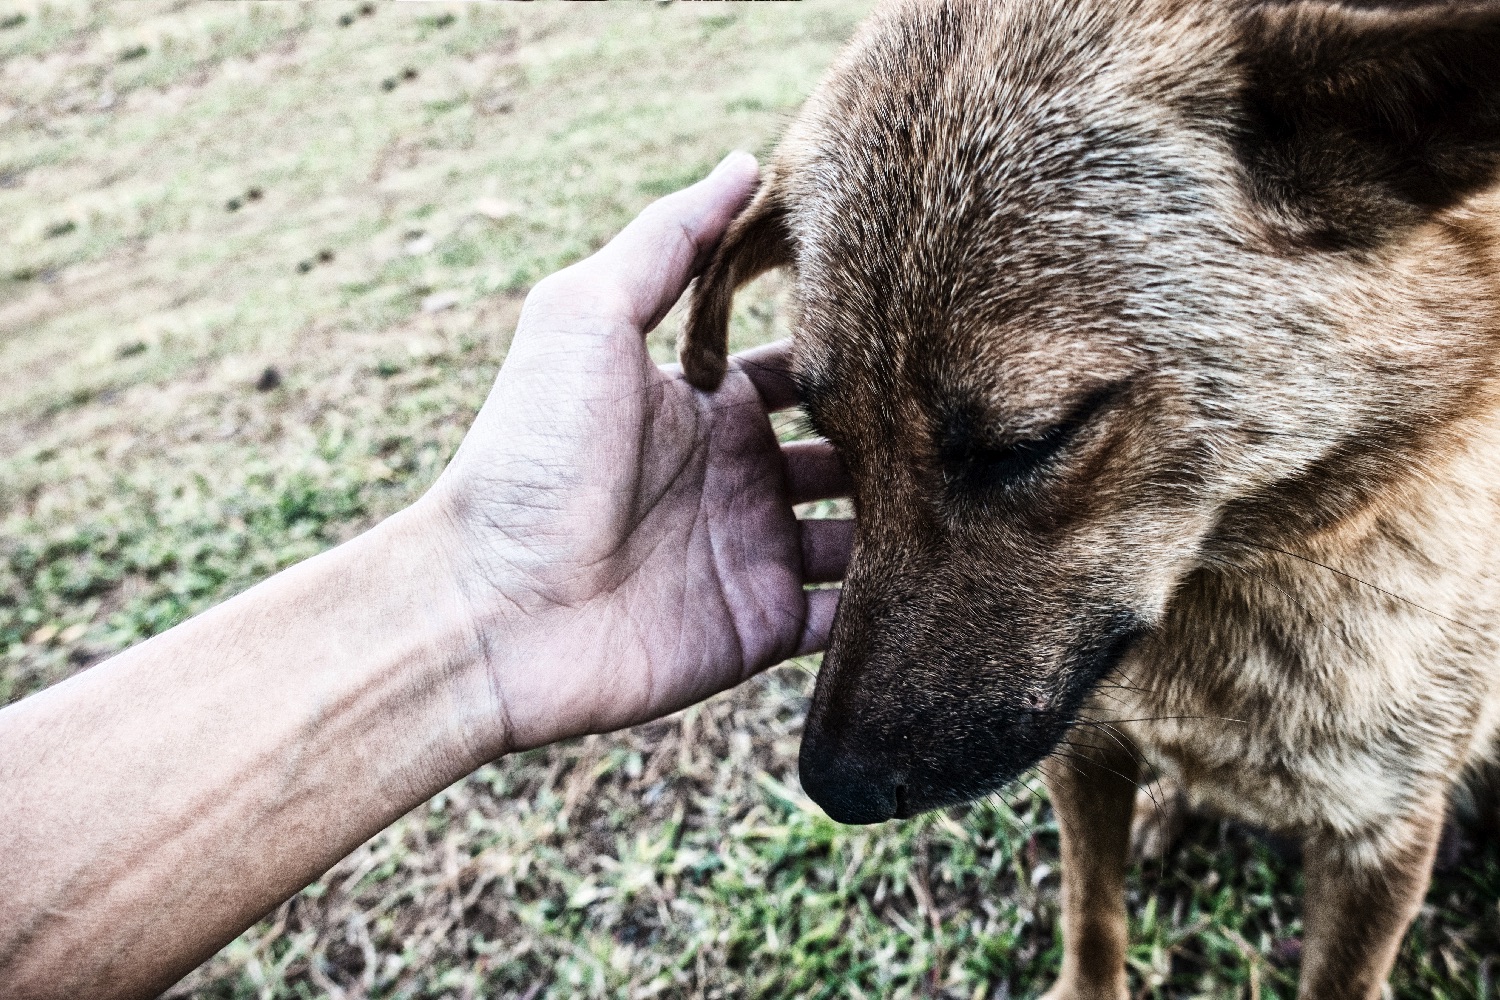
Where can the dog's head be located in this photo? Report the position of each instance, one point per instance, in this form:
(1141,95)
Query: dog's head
(1091,293)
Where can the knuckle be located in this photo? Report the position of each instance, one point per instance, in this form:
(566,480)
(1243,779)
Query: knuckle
(577,293)
(557,289)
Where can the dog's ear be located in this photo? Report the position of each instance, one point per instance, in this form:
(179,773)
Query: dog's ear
(1358,121)
(756,241)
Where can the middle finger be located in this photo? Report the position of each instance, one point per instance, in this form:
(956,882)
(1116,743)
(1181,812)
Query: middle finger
(814,472)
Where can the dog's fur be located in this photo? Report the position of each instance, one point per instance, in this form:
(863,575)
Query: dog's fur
(1162,341)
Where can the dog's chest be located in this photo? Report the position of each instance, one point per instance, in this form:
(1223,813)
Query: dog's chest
(1293,720)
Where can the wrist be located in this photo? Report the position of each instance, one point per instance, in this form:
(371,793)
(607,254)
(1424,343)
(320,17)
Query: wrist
(533,642)
(417,561)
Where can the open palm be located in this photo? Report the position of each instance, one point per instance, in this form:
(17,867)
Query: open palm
(643,528)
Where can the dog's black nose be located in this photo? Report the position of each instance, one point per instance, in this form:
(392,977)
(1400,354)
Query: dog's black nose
(848,788)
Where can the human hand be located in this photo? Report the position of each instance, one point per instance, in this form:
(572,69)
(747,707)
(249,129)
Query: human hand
(626,543)
(608,545)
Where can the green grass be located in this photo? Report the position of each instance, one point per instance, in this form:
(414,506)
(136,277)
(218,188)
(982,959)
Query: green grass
(191,194)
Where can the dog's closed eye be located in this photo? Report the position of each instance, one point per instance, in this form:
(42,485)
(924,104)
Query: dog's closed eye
(975,463)
(980,466)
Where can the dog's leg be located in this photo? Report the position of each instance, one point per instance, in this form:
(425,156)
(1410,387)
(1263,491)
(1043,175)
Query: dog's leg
(1093,792)
(1359,903)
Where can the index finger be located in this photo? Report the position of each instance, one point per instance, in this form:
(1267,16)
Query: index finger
(769,368)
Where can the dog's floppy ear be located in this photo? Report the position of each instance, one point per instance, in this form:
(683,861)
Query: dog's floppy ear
(1358,121)
(755,242)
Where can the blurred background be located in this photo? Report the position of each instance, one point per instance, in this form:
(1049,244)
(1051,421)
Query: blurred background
(259,263)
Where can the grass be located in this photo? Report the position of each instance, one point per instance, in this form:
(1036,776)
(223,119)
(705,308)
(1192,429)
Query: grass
(219,225)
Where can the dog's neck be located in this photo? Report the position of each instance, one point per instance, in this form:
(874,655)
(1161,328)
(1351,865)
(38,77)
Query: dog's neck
(1425,317)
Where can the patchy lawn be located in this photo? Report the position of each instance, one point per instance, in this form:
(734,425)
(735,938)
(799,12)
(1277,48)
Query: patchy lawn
(258,265)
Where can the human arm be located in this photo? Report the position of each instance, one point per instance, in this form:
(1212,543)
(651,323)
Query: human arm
(607,546)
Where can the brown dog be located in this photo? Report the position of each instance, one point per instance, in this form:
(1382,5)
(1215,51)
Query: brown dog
(1162,341)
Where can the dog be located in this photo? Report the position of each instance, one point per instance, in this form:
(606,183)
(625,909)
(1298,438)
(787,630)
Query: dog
(1161,339)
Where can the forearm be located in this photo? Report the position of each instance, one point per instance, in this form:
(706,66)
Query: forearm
(161,802)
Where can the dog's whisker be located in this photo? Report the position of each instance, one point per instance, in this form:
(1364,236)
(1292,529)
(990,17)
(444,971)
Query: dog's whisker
(1064,758)
(1125,742)
(1339,634)
(1184,718)
(1093,761)
(1353,579)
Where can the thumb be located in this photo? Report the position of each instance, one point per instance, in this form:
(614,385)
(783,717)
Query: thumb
(649,264)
